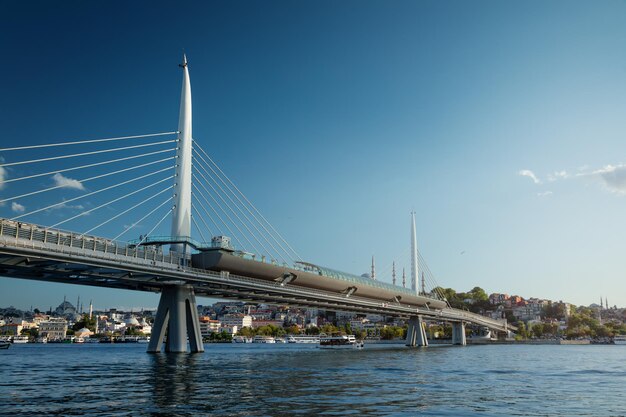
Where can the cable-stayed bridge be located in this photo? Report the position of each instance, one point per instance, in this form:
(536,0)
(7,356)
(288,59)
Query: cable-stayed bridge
(168,178)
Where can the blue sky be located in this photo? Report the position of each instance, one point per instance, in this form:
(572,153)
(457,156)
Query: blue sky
(500,123)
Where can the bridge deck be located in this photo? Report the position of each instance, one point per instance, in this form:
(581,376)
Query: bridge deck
(34,252)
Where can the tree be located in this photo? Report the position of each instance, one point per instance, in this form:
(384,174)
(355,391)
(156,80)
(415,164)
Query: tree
(313,330)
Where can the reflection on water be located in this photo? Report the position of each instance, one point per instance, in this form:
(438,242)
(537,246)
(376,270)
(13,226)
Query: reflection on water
(284,380)
(173,376)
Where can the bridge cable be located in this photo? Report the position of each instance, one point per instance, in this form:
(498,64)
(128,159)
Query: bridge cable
(208,229)
(109,202)
(234,236)
(194,195)
(239,218)
(87,166)
(199,163)
(152,230)
(92,193)
(248,201)
(193,220)
(53,158)
(56,187)
(253,247)
(81,142)
(246,206)
(132,225)
(129,209)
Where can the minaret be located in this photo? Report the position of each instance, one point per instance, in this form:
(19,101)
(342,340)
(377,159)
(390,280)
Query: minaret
(423,284)
(606,302)
(181,218)
(373,269)
(414,266)
(393,272)
(90,309)
(403,278)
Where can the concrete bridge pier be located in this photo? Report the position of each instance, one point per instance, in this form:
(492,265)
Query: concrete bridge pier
(458,334)
(416,333)
(177,313)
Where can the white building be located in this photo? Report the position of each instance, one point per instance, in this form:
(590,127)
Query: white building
(239,320)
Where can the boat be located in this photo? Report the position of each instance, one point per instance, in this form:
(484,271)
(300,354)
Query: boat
(241,339)
(4,345)
(91,340)
(79,340)
(303,339)
(263,339)
(41,340)
(20,339)
(340,342)
(620,340)
(281,340)
(143,339)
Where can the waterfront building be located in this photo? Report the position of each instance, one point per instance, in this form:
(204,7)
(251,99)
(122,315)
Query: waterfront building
(261,323)
(12,329)
(239,320)
(208,326)
(55,328)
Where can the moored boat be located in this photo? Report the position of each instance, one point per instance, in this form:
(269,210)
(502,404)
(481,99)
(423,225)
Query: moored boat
(263,339)
(303,339)
(242,339)
(4,345)
(340,342)
(20,339)
(620,340)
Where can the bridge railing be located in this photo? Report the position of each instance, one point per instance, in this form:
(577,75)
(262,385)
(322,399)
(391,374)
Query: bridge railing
(30,235)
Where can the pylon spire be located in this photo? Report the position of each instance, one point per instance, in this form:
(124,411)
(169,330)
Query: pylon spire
(181,218)
(373,269)
(393,272)
(414,265)
(403,278)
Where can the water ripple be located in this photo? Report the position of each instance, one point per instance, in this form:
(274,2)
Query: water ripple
(286,380)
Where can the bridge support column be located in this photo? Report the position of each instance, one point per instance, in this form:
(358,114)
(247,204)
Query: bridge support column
(178,314)
(458,334)
(416,333)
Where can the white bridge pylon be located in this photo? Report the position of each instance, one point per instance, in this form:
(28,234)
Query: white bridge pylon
(177,312)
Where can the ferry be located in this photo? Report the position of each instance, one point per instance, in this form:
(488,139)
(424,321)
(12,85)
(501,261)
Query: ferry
(242,339)
(303,339)
(263,339)
(20,339)
(340,342)
(143,339)
(620,340)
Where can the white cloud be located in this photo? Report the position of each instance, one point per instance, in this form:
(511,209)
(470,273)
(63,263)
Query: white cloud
(65,182)
(528,173)
(558,175)
(545,194)
(613,176)
(17,207)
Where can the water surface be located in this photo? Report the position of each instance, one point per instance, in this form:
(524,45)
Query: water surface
(284,380)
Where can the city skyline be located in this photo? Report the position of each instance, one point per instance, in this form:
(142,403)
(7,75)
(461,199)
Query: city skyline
(501,129)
